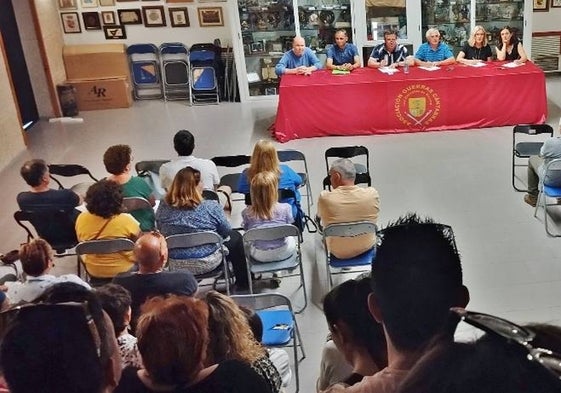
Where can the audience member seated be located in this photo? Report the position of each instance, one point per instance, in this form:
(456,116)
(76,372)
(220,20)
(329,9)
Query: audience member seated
(358,337)
(231,338)
(278,356)
(55,346)
(105,220)
(151,254)
(117,160)
(266,211)
(511,48)
(550,150)
(416,278)
(477,48)
(37,261)
(184,144)
(348,203)
(434,53)
(116,302)
(265,159)
(173,336)
(184,210)
(491,364)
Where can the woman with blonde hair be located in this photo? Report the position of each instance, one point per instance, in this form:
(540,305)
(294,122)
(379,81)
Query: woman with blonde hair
(266,211)
(477,48)
(265,159)
(184,210)
(231,338)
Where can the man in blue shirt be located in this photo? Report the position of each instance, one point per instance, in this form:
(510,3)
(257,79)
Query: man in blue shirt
(299,60)
(390,53)
(342,55)
(434,53)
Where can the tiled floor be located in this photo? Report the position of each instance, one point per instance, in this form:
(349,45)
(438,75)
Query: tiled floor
(461,178)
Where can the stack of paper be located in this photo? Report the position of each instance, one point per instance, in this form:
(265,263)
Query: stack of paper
(431,68)
(512,65)
(388,70)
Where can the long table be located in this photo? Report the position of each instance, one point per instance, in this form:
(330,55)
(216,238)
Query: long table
(368,101)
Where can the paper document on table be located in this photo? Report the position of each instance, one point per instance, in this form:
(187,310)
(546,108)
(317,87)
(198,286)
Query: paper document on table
(512,64)
(432,68)
(388,70)
(478,64)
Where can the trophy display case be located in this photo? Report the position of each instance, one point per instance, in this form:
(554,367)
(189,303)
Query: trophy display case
(451,17)
(493,15)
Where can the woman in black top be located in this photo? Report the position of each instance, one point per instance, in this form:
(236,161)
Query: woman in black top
(477,48)
(510,48)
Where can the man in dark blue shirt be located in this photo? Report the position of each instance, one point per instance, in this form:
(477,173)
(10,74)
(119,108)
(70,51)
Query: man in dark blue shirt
(342,55)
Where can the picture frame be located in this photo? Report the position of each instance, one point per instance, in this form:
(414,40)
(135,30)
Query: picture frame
(541,5)
(555,3)
(91,20)
(89,3)
(106,3)
(154,16)
(108,18)
(116,32)
(70,22)
(179,17)
(67,5)
(211,16)
(130,16)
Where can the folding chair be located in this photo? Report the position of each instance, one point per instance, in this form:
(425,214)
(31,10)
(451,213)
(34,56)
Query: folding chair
(525,144)
(145,71)
(362,169)
(280,328)
(133,205)
(203,61)
(101,246)
(550,187)
(231,180)
(210,195)
(195,239)
(298,156)
(71,170)
(175,70)
(150,172)
(349,229)
(289,265)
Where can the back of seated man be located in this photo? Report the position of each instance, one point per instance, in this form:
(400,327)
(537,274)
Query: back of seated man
(151,253)
(184,144)
(348,203)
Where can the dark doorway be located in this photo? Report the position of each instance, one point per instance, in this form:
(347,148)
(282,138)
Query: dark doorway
(17,65)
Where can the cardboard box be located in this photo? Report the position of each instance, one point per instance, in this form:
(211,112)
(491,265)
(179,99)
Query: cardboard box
(109,93)
(95,61)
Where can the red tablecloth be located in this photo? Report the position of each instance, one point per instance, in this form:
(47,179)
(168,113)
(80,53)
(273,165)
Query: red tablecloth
(368,101)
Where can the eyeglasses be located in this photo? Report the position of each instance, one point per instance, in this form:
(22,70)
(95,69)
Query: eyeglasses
(512,333)
(10,316)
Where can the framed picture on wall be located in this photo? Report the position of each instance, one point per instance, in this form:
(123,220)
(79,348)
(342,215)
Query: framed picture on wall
(89,3)
(116,32)
(211,16)
(179,17)
(130,17)
(106,3)
(541,5)
(108,18)
(555,3)
(70,22)
(154,16)
(91,20)
(67,4)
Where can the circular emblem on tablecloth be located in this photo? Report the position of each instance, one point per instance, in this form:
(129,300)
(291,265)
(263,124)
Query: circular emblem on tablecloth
(417,105)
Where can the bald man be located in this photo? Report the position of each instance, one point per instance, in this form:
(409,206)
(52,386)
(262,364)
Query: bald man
(299,60)
(150,254)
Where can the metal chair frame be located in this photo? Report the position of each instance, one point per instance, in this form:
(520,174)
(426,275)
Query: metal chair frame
(202,73)
(231,179)
(295,155)
(549,191)
(100,246)
(174,58)
(362,170)
(522,149)
(71,170)
(145,71)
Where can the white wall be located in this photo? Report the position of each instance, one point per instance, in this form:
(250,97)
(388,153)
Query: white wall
(547,21)
(156,35)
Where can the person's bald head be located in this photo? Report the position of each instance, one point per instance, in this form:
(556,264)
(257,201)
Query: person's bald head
(150,252)
(298,46)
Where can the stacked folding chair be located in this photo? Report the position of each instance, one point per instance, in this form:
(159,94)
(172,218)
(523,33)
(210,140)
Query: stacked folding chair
(174,58)
(144,61)
(204,63)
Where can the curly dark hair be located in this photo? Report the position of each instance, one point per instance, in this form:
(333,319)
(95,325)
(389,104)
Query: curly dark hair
(116,302)
(116,158)
(104,198)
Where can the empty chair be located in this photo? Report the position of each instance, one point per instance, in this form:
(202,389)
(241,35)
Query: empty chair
(354,153)
(145,71)
(174,58)
(549,188)
(71,170)
(239,162)
(290,264)
(280,328)
(297,157)
(526,144)
(203,61)
(350,229)
(188,240)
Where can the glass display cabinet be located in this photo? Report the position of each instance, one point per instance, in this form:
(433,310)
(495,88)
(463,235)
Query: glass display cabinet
(493,15)
(451,17)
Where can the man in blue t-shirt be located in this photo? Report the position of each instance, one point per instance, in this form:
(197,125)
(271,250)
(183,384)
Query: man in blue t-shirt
(388,54)
(299,60)
(434,53)
(342,56)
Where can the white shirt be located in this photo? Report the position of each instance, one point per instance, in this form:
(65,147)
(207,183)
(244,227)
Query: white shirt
(33,287)
(209,173)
